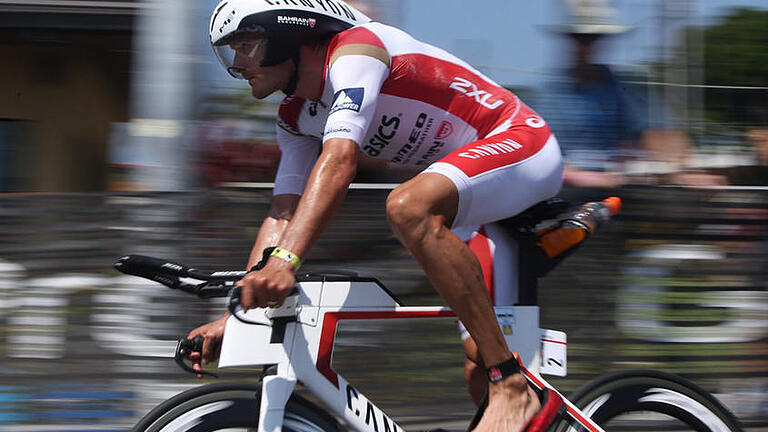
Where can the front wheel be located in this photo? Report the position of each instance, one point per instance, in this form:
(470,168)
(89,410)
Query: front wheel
(230,407)
(651,400)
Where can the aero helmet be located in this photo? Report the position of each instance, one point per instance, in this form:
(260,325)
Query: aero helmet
(284,24)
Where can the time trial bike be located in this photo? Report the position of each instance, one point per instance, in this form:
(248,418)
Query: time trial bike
(294,344)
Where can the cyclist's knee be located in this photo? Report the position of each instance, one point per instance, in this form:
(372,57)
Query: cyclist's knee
(408,213)
(422,206)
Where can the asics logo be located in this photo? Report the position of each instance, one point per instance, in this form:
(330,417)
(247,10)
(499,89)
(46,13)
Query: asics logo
(470,89)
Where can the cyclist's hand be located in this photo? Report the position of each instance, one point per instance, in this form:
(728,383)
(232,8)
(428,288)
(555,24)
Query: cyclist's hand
(212,334)
(267,287)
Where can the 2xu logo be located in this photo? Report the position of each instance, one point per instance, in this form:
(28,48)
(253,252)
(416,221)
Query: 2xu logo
(470,89)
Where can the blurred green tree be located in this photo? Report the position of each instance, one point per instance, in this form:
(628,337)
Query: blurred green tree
(736,54)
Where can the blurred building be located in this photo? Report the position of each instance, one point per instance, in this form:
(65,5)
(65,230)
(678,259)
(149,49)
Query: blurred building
(64,81)
(80,74)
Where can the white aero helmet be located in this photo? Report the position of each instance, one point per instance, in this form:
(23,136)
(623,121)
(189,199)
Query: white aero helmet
(284,24)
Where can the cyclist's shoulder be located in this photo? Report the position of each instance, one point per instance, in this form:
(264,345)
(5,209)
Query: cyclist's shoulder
(374,39)
(371,33)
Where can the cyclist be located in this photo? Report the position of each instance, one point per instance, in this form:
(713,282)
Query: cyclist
(355,86)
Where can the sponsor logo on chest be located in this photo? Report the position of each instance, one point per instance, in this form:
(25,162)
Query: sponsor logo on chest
(470,89)
(383,137)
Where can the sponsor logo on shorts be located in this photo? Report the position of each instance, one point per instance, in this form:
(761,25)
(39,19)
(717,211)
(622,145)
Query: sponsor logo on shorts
(347,99)
(493,149)
(306,22)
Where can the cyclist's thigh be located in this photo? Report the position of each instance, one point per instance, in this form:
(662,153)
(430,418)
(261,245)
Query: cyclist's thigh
(500,176)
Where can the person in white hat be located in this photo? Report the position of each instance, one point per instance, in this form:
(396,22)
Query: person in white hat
(592,112)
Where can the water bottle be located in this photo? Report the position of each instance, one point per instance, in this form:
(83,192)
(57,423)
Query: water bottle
(577,225)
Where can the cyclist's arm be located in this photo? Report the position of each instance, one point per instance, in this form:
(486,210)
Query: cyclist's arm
(298,156)
(280,213)
(356,79)
(328,183)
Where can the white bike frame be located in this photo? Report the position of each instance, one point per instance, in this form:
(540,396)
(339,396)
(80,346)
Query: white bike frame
(299,337)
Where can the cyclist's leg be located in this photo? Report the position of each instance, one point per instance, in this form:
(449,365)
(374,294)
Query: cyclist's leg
(485,181)
(497,253)
(421,211)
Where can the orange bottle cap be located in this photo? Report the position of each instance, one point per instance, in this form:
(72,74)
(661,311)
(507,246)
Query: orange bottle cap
(613,204)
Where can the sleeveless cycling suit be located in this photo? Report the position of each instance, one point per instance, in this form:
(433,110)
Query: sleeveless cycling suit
(411,103)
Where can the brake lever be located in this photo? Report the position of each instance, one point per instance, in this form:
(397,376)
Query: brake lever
(214,289)
(185,347)
(234,303)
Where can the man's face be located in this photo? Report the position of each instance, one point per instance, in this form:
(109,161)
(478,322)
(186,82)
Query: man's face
(249,53)
(584,46)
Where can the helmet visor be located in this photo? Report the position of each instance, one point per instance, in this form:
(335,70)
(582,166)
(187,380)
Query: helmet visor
(240,54)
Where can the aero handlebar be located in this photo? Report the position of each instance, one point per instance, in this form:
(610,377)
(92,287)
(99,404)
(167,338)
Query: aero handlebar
(181,277)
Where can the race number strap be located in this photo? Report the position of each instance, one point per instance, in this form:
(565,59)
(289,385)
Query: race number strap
(503,370)
(287,256)
(554,359)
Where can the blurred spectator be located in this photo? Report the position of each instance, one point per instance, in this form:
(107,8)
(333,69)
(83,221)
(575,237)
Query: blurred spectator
(757,173)
(601,122)
(591,113)
(668,155)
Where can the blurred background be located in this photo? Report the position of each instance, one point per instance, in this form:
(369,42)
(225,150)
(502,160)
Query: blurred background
(120,133)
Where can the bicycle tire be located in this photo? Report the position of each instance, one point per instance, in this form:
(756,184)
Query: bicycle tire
(230,406)
(651,392)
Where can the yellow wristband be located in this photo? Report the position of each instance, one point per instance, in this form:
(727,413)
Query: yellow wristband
(287,256)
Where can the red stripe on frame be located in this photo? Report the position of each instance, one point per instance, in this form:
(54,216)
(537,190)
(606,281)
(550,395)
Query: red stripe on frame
(480,245)
(330,322)
(531,377)
(554,341)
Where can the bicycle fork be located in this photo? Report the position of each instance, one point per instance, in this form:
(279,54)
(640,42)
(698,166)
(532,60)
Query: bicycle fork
(275,392)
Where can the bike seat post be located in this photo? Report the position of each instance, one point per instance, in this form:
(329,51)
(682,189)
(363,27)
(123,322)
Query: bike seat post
(528,282)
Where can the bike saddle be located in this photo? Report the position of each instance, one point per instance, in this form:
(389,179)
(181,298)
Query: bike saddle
(532,216)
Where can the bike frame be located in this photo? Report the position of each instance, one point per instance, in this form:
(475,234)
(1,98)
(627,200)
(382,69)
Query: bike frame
(299,337)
